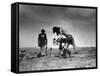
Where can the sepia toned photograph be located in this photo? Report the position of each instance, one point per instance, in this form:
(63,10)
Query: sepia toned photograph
(55,37)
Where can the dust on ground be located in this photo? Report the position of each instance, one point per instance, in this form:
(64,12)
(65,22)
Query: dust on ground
(84,57)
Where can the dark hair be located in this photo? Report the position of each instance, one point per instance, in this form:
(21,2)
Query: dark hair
(56,30)
(42,30)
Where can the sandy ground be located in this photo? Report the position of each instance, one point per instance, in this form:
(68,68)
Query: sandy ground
(83,58)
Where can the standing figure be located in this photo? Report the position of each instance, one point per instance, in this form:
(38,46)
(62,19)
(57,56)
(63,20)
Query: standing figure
(42,42)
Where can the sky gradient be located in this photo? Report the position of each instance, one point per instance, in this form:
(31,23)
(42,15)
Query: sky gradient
(80,22)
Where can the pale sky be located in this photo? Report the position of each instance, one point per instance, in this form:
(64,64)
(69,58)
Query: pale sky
(80,22)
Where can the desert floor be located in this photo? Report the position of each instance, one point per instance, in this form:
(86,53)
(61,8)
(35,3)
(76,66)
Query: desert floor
(84,57)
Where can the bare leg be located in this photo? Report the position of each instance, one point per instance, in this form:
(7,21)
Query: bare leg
(73,45)
(60,50)
(66,50)
(60,53)
(46,52)
(42,51)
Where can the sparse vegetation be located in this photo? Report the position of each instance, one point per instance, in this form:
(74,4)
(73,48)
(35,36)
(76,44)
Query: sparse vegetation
(85,57)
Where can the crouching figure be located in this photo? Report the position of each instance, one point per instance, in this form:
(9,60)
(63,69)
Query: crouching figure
(64,40)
